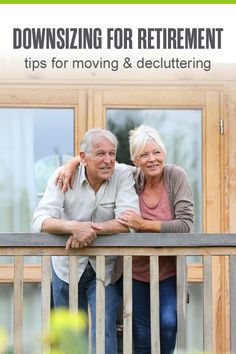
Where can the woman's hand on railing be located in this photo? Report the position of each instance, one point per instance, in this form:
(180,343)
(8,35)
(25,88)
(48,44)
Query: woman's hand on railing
(132,219)
(66,175)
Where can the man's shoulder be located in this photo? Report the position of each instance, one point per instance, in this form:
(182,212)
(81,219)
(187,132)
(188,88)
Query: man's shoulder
(121,172)
(121,168)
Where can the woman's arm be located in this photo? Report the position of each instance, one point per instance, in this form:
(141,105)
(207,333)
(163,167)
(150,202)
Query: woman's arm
(134,220)
(180,195)
(66,175)
(182,205)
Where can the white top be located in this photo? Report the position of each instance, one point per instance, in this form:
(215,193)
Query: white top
(82,204)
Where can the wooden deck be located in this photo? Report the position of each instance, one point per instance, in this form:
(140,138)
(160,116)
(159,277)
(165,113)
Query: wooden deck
(127,245)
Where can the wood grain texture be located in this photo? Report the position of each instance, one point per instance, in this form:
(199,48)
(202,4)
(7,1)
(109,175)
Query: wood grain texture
(155,304)
(143,240)
(207,304)
(119,251)
(181,303)
(18,305)
(231,109)
(154,251)
(32,273)
(211,163)
(100,304)
(233,304)
(127,305)
(73,283)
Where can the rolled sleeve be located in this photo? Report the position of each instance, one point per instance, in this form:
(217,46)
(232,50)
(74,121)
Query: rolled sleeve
(38,222)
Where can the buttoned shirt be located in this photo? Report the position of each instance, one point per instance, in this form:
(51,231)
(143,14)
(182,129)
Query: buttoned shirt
(82,204)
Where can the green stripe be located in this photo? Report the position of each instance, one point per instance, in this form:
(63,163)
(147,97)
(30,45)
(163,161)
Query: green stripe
(118,2)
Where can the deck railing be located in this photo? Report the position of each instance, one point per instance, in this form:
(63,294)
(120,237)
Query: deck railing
(126,245)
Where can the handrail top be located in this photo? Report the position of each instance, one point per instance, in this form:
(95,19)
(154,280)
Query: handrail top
(122,240)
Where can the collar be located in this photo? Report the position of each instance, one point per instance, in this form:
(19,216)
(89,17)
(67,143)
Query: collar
(82,175)
(83,178)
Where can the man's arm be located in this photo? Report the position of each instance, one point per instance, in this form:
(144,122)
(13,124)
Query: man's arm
(82,233)
(58,226)
(48,218)
(110,227)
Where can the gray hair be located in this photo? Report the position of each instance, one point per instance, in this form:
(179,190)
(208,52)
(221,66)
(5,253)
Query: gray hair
(139,137)
(94,133)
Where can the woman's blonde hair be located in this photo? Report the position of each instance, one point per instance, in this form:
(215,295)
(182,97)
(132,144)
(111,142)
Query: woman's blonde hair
(139,137)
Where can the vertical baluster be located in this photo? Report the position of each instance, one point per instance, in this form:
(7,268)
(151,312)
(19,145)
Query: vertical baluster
(154,299)
(181,302)
(73,285)
(100,304)
(127,305)
(207,303)
(18,305)
(46,298)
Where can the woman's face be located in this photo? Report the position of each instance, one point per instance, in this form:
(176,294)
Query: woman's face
(151,160)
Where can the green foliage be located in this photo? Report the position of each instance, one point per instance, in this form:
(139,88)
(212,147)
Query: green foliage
(122,134)
(4,349)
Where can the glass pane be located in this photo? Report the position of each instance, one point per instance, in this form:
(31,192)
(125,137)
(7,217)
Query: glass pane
(32,319)
(181,132)
(6,310)
(32,316)
(33,142)
(195,317)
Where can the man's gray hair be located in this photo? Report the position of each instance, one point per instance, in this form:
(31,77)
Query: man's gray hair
(92,134)
(139,137)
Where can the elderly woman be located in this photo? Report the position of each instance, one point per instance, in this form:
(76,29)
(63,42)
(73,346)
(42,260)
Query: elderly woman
(166,206)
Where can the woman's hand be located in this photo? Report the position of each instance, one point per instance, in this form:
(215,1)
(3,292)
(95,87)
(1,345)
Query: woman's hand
(66,175)
(132,219)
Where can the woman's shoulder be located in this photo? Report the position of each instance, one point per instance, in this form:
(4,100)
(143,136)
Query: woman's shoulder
(172,171)
(172,168)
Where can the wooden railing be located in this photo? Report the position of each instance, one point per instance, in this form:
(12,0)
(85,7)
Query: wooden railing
(126,245)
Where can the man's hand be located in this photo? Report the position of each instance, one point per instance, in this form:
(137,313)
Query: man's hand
(83,235)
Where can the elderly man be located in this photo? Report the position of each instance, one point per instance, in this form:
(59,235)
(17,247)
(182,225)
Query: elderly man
(102,190)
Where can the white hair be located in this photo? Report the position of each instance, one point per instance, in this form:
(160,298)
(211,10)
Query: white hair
(94,133)
(140,136)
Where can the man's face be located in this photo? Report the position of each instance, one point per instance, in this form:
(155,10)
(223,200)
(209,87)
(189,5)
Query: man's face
(100,161)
